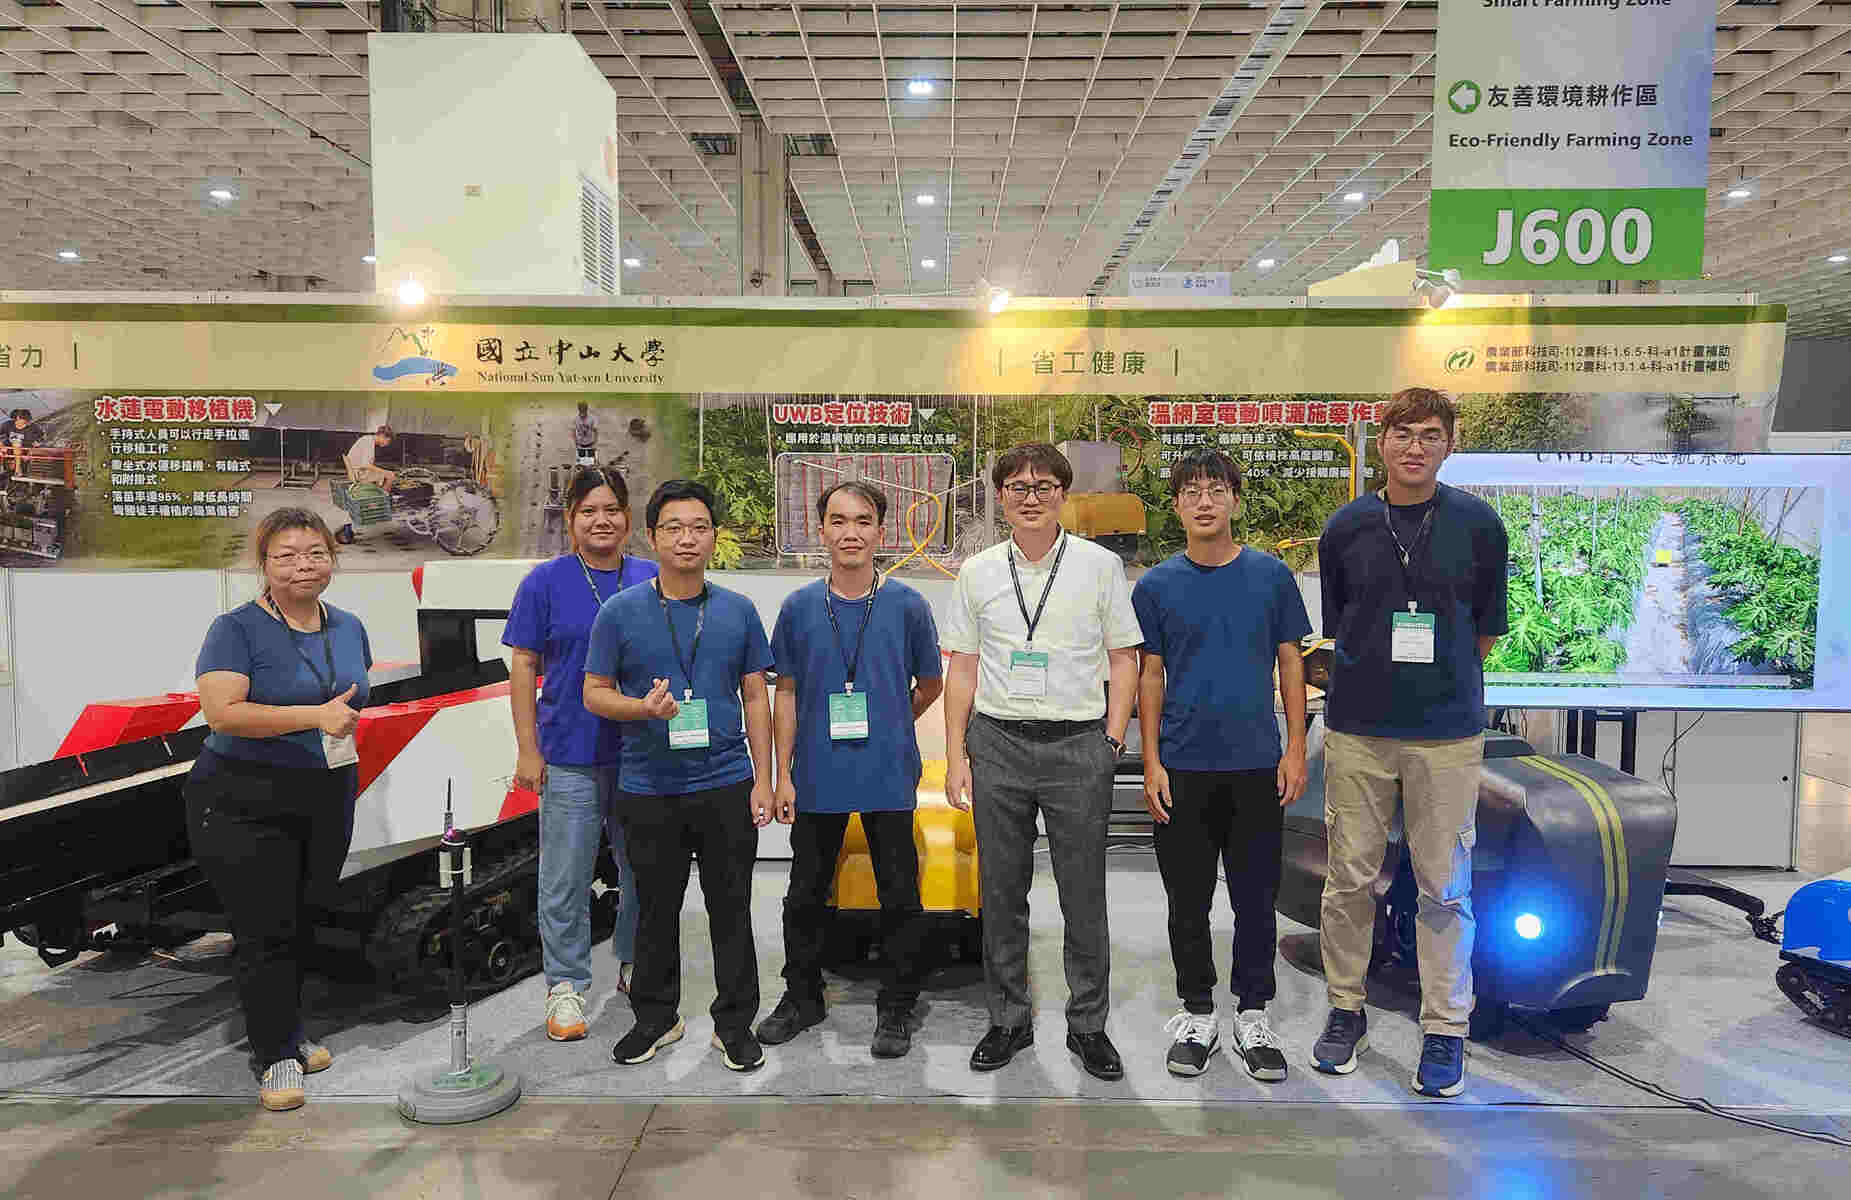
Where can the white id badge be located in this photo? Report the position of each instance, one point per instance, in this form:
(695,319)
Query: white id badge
(1411,637)
(1028,674)
(341,751)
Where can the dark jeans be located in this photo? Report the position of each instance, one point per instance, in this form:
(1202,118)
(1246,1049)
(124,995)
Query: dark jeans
(816,843)
(1230,818)
(664,834)
(271,840)
(1068,781)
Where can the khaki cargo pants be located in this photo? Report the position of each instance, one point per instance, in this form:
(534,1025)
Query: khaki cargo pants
(1436,785)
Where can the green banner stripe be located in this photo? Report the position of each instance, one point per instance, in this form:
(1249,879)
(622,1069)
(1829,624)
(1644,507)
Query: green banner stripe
(1214,318)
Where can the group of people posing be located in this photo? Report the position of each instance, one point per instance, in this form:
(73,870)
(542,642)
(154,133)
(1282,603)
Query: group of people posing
(642,710)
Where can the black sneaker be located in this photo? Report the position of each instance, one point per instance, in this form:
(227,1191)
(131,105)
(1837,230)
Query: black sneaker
(790,1018)
(641,1043)
(893,1033)
(1259,1045)
(1442,1066)
(739,1050)
(1346,1034)
(1194,1038)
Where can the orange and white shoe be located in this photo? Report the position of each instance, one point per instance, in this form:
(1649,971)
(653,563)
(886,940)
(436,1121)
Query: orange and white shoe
(314,1057)
(281,1087)
(565,1013)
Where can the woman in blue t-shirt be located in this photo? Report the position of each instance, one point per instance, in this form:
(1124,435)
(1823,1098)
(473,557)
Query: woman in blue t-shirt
(566,754)
(270,799)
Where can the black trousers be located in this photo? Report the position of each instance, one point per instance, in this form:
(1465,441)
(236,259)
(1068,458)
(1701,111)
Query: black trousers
(271,840)
(816,843)
(664,833)
(1232,819)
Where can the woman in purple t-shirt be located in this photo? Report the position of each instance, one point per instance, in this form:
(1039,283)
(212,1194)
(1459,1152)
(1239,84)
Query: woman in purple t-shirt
(568,755)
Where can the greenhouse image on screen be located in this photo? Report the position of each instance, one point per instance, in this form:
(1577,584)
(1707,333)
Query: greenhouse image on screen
(1659,585)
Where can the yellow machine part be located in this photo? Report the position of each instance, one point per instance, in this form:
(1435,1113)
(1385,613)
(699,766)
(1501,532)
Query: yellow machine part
(1099,514)
(946,842)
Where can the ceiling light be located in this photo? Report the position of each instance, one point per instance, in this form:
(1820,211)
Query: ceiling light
(369,259)
(1838,258)
(925,199)
(920,87)
(999,299)
(632,262)
(1353,197)
(929,264)
(1267,264)
(411,293)
(223,195)
(1739,193)
(71,255)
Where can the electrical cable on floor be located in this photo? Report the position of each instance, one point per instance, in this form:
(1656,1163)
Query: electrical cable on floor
(1695,1103)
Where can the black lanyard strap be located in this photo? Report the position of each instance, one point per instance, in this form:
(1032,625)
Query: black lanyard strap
(1046,588)
(700,623)
(329,691)
(1406,553)
(595,593)
(850,665)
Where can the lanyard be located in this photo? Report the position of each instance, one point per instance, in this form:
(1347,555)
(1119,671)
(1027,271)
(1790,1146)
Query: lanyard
(1406,553)
(1046,588)
(327,649)
(596,594)
(700,622)
(850,665)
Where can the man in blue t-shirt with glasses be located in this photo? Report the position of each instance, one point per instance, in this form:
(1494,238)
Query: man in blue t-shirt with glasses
(1217,619)
(1413,580)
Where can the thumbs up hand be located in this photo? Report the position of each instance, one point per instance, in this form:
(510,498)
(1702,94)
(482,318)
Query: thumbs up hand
(337,718)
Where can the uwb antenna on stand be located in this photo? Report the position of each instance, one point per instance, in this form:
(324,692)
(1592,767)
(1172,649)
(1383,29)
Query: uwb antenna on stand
(466,1090)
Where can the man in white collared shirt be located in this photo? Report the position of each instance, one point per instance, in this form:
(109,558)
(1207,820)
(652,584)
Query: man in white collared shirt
(1037,627)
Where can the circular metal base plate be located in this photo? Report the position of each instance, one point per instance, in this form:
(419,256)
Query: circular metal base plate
(449,1098)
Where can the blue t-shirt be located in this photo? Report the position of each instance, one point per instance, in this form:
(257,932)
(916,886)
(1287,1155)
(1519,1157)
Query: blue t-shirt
(630,645)
(1218,630)
(552,615)
(286,668)
(1459,575)
(878,773)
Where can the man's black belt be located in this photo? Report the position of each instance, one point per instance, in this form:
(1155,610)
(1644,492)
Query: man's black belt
(1047,731)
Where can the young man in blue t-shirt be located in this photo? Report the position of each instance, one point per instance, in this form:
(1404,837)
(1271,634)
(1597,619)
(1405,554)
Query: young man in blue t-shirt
(682,663)
(1217,617)
(857,662)
(1413,580)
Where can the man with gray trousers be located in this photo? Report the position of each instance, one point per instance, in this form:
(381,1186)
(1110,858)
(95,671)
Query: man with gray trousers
(1036,627)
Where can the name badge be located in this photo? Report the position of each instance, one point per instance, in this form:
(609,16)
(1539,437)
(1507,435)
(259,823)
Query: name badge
(1028,674)
(687,729)
(1411,637)
(848,716)
(340,751)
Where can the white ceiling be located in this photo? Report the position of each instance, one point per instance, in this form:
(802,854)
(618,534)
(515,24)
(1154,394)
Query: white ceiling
(1048,129)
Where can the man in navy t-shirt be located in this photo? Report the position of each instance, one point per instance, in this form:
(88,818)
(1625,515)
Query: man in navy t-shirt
(682,663)
(1413,581)
(1217,618)
(857,662)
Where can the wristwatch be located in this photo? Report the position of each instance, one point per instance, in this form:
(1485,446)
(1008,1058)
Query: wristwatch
(1118,747)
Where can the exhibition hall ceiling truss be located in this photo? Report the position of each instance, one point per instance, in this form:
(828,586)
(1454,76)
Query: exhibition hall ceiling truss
(936,146)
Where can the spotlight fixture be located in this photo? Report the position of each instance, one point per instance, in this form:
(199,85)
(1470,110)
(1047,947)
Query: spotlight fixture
(1739,193)
(411,293)
(633,262)
(930,264)
(1353,197)
(919,87)
(1267,264)
(369,259)
(1438,288)
(925,199)
(68,255)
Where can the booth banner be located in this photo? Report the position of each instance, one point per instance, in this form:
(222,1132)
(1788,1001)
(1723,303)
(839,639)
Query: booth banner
(1571,138)
(200,350)
(147,440)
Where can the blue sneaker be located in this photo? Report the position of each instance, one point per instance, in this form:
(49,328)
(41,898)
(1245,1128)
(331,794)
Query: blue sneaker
(1442,1066)
(1346,1034)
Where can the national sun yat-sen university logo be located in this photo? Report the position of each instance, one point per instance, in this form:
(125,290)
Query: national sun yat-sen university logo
(423,362)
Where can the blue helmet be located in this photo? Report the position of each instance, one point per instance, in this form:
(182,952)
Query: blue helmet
(1818,921)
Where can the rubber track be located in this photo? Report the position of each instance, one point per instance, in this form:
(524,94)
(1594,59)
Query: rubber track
(395,947)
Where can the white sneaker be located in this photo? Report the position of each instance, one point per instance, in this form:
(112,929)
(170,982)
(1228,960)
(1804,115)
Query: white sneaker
(624,971)
(1259,1045)
(565,1013)
(1194,1038)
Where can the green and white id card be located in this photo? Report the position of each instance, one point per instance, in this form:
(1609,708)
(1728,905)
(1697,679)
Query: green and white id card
(687,729)
(848,716)
(1411,637)
(1028,673)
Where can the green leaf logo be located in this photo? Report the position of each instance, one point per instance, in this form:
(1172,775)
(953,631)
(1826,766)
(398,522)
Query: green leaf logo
(1460,360)
(1464,97)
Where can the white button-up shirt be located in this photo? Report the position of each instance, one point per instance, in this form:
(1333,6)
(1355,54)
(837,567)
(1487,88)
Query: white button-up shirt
(1088,612)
